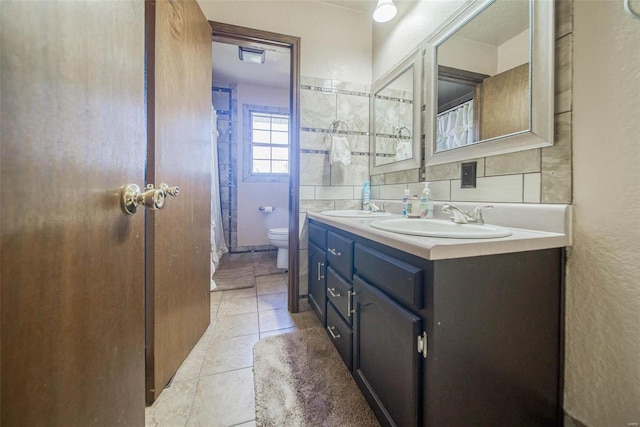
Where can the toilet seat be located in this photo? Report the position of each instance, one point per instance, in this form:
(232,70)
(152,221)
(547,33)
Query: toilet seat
(279,231)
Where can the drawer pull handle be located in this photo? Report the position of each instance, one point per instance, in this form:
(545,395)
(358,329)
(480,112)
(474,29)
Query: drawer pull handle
(333,252)
(333,335)
(350,311)
(332,292)
(320,276)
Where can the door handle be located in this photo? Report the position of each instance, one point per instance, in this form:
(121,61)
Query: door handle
(152,198)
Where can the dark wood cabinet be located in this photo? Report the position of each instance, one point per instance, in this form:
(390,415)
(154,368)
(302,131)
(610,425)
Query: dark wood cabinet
(317,281)
(387,362)
(463,341)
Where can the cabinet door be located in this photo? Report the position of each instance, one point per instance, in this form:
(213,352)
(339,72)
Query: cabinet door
(386,360)
(317,281)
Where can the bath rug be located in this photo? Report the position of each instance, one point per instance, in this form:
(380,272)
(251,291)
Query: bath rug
(234,275)
(300,380)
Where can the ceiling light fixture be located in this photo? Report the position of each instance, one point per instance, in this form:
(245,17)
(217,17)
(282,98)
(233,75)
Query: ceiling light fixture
(251,54)
(385,11)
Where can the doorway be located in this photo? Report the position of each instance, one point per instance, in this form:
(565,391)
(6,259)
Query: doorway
(228,39)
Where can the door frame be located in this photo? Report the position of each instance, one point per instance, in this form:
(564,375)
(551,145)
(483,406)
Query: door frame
(227,33)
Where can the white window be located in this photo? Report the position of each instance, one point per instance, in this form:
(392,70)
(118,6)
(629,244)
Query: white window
(269,143)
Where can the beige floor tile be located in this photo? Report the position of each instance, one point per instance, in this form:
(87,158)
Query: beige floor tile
(277,332)
(271,284)
(172,406)
(230,306)
(228,354)
(271,320)
(223,400)
(272,301)
(249,424)
(216,297)
(239,293)
(190,368)
(236,325)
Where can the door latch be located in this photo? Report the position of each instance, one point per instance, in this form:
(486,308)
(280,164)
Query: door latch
(152,198)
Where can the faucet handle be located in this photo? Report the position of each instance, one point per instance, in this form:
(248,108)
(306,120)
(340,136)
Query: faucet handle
(477,213)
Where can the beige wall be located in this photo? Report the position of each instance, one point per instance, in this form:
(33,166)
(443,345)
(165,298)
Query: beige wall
(603,280)
(336,42)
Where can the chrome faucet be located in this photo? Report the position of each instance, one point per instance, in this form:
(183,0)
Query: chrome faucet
(374,207)
(463,217)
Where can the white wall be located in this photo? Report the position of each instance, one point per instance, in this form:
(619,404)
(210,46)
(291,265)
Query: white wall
(603,283)
(394,40)
(469,55)
(335,42)
(514,52)
(253,225)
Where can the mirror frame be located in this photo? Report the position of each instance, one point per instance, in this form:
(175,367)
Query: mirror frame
(415,59)
(541,77)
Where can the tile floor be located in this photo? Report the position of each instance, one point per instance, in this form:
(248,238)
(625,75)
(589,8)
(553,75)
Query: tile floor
(214,385)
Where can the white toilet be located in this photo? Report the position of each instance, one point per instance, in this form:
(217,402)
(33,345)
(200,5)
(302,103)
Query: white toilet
(279,237)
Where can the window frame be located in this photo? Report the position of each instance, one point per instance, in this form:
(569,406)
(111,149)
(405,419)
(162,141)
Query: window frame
(248,111)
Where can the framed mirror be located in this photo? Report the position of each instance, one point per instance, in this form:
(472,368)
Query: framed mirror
(395,110)
(489,74)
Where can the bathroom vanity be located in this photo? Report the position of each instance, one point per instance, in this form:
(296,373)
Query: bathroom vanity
(443,332)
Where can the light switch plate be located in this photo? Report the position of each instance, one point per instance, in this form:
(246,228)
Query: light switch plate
(468,175)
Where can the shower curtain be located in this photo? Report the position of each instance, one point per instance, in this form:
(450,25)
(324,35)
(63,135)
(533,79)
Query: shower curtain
(218,245)
(455,127)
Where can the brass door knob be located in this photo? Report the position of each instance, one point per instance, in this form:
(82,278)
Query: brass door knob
(152,198)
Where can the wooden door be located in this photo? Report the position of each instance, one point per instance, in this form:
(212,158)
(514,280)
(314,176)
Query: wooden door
(72,263)
(386,360)
(179,151)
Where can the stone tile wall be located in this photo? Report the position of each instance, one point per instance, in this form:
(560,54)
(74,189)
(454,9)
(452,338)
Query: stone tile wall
(325,186)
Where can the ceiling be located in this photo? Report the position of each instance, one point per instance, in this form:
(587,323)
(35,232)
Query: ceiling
(228,68)
(361,5)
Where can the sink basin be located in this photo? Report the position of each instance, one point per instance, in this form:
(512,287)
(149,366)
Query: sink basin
(354,213)
(440,228)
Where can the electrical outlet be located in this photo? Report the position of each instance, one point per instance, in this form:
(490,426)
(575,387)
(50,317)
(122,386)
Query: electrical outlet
(468,175)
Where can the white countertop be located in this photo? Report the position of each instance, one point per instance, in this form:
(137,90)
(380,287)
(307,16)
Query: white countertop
(550,227)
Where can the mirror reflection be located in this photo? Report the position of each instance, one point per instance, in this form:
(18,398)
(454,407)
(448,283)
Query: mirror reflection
(393,119)
(483,88)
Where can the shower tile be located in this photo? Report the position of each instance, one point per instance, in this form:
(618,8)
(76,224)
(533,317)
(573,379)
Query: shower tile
(333,193)
(386,118)
(521,162)
(349,204)
(228,354)
(316,205)
(531,188)
(354,111)
(314,169)
(318,109)
(234,406)
(563,74)
(506,188)
(351,87)
(314,140)
(405,117)
(556,163)
(354,174)
(564,17)
(359,143)
(307,192)
(315,82)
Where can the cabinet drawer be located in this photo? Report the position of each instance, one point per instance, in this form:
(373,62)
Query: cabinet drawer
(340,254)
(318,235)
(339,293)
(341,335)
(404,282)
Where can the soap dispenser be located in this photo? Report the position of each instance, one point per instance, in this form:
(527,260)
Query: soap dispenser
(426,202)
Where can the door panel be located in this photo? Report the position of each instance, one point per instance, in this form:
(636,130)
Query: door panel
(386,358)
(72,263)
(178,236)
